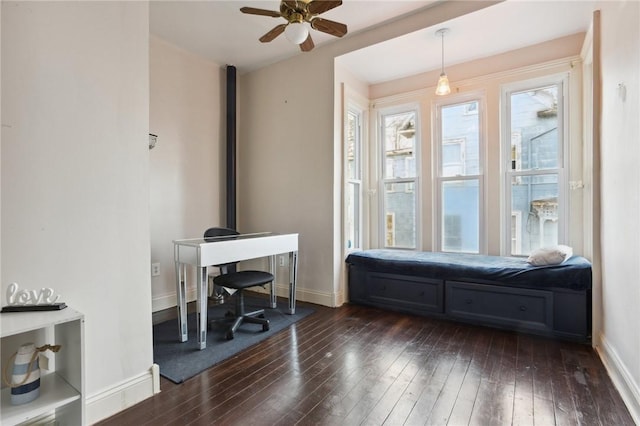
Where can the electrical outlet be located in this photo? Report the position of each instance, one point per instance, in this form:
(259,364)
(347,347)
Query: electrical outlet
(281,261)
(155,269)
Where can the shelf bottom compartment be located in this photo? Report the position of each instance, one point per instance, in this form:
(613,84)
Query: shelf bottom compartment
(55,393)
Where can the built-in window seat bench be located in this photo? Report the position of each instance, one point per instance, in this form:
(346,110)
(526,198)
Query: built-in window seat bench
(505,292)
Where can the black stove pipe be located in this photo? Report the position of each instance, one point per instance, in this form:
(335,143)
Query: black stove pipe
(231,147)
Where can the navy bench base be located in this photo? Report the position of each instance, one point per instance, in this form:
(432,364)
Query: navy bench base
(547,309)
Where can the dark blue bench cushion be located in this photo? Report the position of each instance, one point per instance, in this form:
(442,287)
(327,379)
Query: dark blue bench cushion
(574,274)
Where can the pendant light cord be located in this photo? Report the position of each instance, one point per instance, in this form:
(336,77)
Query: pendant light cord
(442,68)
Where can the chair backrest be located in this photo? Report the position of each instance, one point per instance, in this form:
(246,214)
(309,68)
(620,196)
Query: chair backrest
(211,233)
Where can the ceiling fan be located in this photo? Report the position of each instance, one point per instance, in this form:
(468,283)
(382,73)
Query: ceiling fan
(296,13)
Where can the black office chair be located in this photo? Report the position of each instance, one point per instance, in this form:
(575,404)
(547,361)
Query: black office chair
(239,280)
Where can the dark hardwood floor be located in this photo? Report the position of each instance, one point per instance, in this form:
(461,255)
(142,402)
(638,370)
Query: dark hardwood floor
(362,366)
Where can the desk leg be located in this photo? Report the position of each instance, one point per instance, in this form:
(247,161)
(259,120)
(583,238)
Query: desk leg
(273,271)
(293,279)
(181,290)
(202,307)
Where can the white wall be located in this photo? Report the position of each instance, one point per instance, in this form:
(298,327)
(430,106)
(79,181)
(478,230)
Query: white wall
(187,166)
(289,133)
(75,178)
(1,97)
(620,214)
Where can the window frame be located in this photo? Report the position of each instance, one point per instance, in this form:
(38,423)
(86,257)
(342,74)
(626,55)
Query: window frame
(438,180)
(382,180)
(354,103)
(562,80)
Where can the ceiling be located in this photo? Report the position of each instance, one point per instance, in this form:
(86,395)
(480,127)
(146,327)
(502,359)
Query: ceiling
(218,31)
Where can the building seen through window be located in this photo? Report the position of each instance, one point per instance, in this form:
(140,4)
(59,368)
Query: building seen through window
(400,175)
(458,180)
(536,146)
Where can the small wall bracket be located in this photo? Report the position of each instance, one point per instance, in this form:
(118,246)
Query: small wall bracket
(152,140)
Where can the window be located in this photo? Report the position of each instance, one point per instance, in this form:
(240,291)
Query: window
(400,174)
(479,171)
(353,170)
(534,170)
(458,178)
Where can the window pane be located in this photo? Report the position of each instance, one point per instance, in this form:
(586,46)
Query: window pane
(536,199)
(451,153)
(353,148)
(399,145)
(353,216)
(460,216)
(460,140)
(400,215)
(453,158)
(534,129)
(353,175)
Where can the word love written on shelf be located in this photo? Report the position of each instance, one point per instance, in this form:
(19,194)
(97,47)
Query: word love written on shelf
(17,297)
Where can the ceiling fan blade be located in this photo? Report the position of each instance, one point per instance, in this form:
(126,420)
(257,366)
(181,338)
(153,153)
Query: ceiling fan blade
(262,12)
(330,27)
(275,32)
(316,7)
(307,45)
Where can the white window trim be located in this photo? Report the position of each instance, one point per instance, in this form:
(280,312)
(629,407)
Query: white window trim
(561,79)
(438,180)
(357,180)
(356,103)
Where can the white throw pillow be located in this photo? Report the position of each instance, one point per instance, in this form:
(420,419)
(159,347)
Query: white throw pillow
(550,255)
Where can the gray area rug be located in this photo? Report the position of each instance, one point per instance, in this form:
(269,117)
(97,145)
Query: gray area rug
(181,361)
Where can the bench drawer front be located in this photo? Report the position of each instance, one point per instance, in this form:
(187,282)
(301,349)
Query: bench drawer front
(414,293)
(509,307)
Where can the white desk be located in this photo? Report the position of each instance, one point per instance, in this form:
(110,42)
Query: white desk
(227,249)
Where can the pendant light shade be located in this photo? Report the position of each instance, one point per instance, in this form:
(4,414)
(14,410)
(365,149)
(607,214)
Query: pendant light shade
(443,87)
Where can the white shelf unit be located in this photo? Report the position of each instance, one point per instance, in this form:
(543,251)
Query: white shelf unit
(62,395)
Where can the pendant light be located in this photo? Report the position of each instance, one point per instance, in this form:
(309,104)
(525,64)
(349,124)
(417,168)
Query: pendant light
(443,82)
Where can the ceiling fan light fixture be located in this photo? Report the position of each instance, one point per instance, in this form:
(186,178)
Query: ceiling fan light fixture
(296,32)
(301,17)
(443,87)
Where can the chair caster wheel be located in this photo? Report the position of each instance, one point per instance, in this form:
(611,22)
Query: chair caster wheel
(261,316)
(229,335)
(265,327)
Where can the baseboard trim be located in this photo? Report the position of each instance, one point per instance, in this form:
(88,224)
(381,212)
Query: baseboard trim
(166,301)
(123,395)
(318,298)
(620,376)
